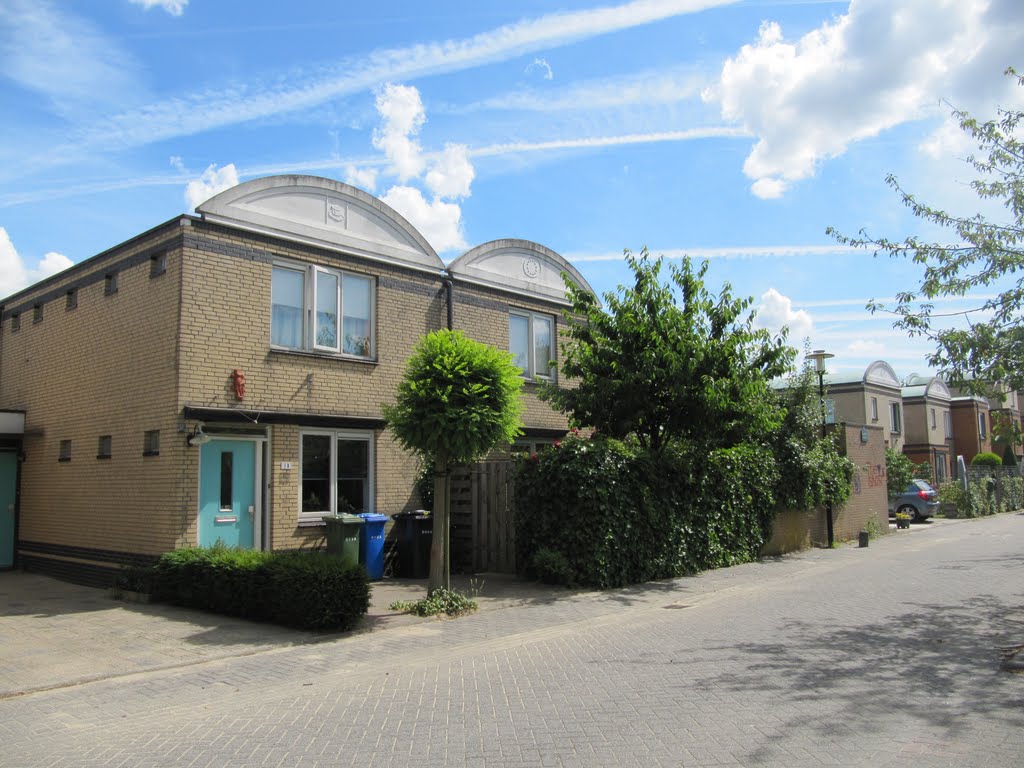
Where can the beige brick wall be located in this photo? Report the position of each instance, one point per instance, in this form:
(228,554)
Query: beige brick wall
(483,314)
(107,367)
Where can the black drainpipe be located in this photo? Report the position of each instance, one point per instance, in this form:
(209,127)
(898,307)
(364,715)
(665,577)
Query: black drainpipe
(448,290)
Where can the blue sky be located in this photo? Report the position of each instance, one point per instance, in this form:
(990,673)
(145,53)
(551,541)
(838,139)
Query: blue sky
(734,131)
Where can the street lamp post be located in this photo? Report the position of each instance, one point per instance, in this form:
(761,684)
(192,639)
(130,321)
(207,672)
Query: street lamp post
(819,356)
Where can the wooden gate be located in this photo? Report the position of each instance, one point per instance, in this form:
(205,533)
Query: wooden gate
(483,533)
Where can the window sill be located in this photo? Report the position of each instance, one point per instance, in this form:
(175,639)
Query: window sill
(321,356)
(151,453)
(104,457)
(311,523)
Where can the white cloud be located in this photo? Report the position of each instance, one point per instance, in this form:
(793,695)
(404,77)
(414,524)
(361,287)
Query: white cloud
(542,66)
(877,66)
(364,178)
(451,173)
(439,222)
(212,108)
(173,7)
(768,189)
(177,163)
(776,311)
(644,88)
(402,116)
(866,348)
(64,58)
(212,182)
(15,274)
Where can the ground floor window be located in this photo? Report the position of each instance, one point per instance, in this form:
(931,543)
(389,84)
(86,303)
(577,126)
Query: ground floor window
(940,467)
(337,473)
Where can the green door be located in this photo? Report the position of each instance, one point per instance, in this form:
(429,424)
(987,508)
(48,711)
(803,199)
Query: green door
(227,493)
(8,490)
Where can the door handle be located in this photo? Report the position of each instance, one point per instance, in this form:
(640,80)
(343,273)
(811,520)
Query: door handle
(252,512)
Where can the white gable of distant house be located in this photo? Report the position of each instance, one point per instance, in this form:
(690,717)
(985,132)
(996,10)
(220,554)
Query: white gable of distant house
(322,212)
(518,265)
(882,374)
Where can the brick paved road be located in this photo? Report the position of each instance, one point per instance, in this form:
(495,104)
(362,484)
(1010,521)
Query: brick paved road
(885,656)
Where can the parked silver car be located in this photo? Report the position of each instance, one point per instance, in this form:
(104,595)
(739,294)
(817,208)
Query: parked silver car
(919,500)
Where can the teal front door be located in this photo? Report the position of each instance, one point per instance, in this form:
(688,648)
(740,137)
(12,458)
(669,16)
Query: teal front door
(8,491)
(227,493)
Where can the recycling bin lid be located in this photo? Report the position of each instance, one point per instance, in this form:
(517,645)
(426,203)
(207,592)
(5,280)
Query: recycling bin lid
(343,518)
(373,517)
(414,513)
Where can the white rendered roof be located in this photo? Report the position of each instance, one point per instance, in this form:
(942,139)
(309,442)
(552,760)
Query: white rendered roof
(323,212)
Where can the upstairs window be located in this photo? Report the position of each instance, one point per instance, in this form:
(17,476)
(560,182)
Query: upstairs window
(104,448)
(322,310)
(37,313)
(15,322)
(947,421)
(874,409)
(110,284)
(894,418)
(934,423)
(982,431)
(531,342)
(71,299)
(64,452)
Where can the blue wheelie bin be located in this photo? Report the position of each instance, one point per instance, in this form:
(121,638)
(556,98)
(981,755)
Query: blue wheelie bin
(371,544)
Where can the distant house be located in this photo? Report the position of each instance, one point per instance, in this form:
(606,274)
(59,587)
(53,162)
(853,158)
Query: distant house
(928,424)
(220,376)
(873,398)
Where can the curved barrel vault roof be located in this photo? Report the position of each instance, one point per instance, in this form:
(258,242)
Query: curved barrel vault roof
(522,266)
(323,212)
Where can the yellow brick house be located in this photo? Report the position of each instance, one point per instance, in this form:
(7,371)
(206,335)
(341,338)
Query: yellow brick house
(220,376)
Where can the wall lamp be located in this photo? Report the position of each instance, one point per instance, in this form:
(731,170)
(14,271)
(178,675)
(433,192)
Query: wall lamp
(198,437)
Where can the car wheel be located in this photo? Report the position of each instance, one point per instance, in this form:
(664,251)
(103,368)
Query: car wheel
(906,509)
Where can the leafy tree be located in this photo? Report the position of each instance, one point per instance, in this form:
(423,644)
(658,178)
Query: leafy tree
(812,472)
(980,254)
(668,361)
(458,399)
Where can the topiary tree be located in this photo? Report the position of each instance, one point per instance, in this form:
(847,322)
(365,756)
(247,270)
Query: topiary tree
(987,459)
(458,399)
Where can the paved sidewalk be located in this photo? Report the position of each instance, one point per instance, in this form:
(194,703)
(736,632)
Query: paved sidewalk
(885,656)
(54,634)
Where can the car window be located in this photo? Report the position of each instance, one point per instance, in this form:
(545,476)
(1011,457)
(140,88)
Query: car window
(920,484)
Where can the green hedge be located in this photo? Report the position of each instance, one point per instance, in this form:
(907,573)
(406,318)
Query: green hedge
(306,591)
(603,513)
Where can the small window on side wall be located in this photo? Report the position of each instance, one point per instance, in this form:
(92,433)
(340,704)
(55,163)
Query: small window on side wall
(151,443)
(110,284)
(157,264)
(71,299)
(896,422)
(105,447)
(64,451)
(15,322)
(37,313)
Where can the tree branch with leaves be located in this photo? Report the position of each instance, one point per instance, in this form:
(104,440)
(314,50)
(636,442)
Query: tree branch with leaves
(981,253)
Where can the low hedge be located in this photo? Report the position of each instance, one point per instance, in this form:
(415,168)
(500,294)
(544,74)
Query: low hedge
(311,591)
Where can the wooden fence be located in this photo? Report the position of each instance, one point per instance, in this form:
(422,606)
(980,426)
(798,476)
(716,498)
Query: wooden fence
(483,533)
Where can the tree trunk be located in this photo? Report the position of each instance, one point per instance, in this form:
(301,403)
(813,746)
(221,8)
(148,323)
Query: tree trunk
(439,576)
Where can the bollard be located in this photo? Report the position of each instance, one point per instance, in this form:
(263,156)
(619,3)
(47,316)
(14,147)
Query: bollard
(863,538)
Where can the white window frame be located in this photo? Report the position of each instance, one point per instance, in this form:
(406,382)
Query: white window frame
(310,274)
(982,430)
(360,435)
(531,372)
(874,409)
(934,422)
(947,423)
(895,420)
